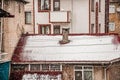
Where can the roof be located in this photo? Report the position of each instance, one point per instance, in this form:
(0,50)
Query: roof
(82,48)
(4,13)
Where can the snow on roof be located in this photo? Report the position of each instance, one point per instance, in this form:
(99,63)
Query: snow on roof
(80,48)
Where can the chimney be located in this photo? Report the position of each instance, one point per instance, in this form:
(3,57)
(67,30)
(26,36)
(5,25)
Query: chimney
(65,40)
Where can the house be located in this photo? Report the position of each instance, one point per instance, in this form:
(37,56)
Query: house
(81,16)
(11,28)
(114,16)
(80,57)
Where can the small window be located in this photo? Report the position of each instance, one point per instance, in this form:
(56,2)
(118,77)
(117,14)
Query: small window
(56,5)
(111,8)
(0,3)
(27,17)
(92,28)
(56,29)
(55,67)
(44,29)
(99,29)
(111,26)
(45,67)
(20,67)
(44,5)
(83,73)
(100,6)
(35,67)
(92,5)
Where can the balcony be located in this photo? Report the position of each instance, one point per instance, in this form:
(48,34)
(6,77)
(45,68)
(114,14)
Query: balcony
(60,17)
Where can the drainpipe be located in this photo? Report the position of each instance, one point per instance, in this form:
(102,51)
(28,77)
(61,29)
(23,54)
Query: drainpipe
(106,70)
(1,34)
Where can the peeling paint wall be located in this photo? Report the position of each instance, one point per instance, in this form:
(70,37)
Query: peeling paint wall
(12,27)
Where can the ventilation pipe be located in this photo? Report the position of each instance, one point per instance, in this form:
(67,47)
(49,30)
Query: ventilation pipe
(65,33)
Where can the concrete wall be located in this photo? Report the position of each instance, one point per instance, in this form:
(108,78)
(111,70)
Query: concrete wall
(79,16)
(12,27)
(29,8)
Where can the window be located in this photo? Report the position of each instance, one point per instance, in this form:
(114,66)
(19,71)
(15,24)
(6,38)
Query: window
(56,29)
(51,67)
(27,17)
(83,73)
(20,67)
(92,28)
(99,29)
(92,5)
(35,67)
(99,5)
(43,5)
(111,26)
(56,5)
(111,8)
(44,29)
(0,3)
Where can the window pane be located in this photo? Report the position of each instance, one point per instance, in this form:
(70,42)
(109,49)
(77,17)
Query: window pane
(19,67)
(35,67)
(55,67)
(27,17)
(45,67)
(56,5)
(57,29)
(87,75)
(78,75)
(92,5)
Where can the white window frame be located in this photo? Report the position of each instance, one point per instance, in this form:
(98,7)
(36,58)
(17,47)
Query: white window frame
(84,70)
(112,8)
(111,26)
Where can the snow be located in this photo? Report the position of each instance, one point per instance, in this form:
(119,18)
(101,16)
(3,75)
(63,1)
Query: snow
(80,48)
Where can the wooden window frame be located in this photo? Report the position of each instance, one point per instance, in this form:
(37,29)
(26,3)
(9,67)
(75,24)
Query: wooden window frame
(54,9)
(43,10)
(45,25)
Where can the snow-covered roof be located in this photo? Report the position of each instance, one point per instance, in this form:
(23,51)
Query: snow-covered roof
(80,48)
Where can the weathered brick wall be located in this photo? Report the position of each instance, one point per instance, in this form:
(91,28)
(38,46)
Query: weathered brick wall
(115,17)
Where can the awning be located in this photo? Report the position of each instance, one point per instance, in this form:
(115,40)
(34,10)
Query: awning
(4,13)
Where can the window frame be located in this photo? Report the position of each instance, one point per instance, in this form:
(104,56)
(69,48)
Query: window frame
(44,25)
(26,21)
(58,4)
(112,9)
(56,27)
(112,28)
(40,4)
(82,69)
(92,5)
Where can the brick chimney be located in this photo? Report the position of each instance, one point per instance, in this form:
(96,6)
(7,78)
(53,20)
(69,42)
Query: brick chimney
(65,33)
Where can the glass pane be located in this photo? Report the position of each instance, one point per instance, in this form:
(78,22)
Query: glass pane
(55,67)
(87,75)
(35,67)
(78,67)
(78,75)
(45,67)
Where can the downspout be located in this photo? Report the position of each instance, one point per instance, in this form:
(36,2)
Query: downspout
(1,34)
(106,70)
